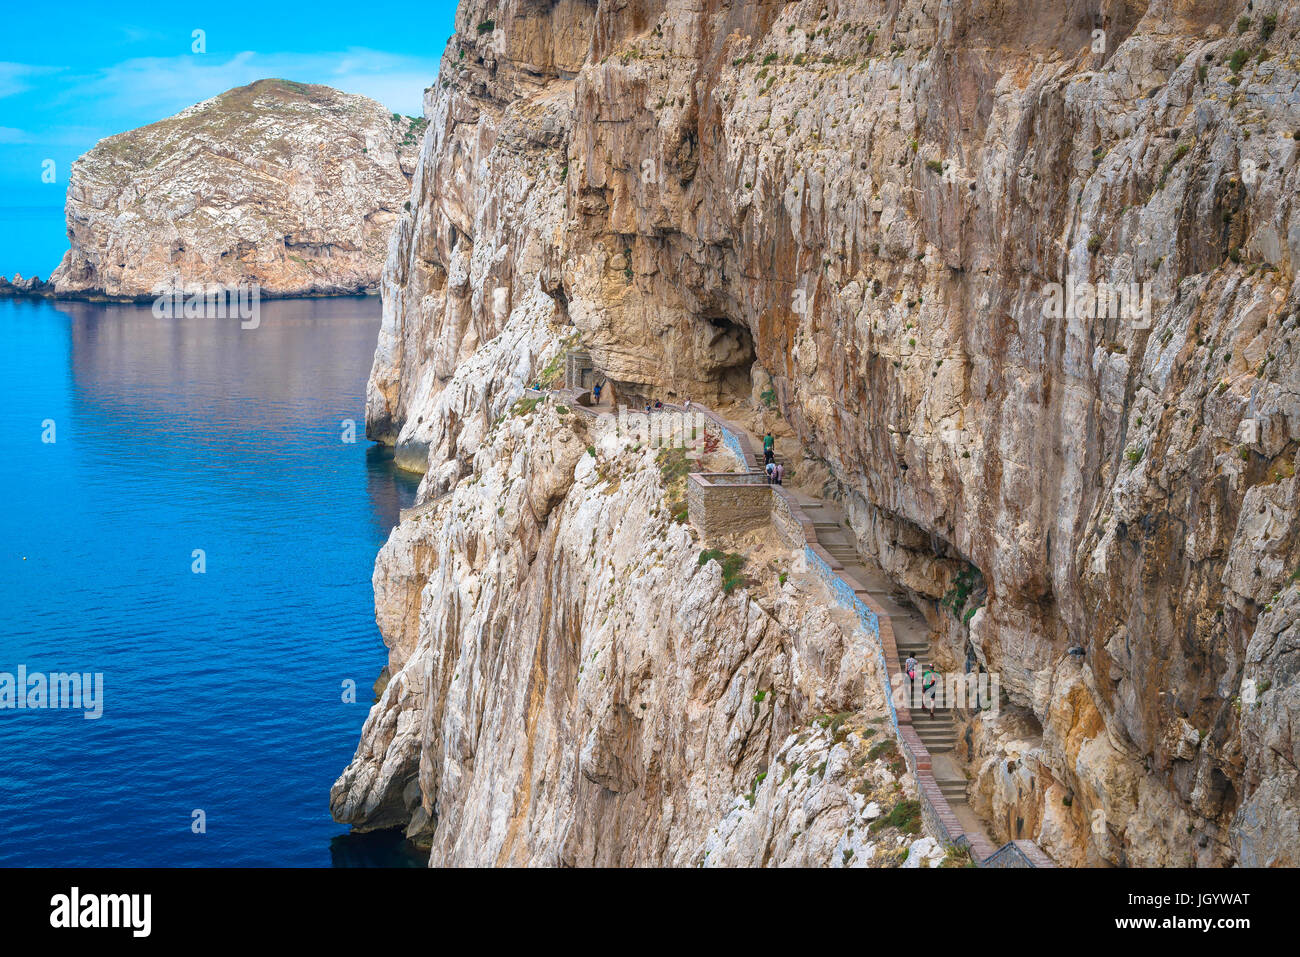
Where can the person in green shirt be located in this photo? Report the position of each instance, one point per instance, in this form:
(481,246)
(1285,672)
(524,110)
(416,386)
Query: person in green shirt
(929,687)
(769,445)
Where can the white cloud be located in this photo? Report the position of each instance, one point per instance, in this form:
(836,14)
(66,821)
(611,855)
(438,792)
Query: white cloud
(16,77)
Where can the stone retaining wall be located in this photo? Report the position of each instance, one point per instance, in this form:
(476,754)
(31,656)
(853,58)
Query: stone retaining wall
(790,521)
(725,508)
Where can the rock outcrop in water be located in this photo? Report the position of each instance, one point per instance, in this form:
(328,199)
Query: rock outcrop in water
(289,185)
(31,286)
(899,215)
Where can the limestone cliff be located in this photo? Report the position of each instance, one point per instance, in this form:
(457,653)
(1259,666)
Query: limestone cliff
(900,215)
(571,685)
(288,185)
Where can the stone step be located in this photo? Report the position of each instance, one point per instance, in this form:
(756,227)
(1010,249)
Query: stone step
(937,732)
(922,721)
(925,724)
(937,745)
(954,791)
(939,740)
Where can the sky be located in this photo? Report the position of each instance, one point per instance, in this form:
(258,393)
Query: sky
(75,72)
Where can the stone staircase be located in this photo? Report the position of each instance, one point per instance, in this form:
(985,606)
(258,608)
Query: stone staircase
(933,740)
(912,635)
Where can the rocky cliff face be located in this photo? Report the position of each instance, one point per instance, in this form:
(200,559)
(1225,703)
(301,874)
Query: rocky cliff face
(288,185)
(902,213)
(572,686)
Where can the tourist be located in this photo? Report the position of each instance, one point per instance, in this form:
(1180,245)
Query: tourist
(687,405)
(595,391)
(770,469)
(779,472)
(929,684)
(658,405)
(910,666)
(769,445)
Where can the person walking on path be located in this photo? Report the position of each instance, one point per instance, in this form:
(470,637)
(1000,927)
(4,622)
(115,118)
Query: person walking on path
(909,668)
(769,446)
(770,469)
(778,472)
(595,391)
(929,686)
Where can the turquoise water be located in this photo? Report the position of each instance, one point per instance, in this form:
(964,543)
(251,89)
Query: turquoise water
(223,690)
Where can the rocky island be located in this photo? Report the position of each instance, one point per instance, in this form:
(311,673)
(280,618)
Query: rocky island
(291,186)
(890,234)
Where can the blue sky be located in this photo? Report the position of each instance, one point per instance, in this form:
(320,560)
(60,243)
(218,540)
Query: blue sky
(73,73)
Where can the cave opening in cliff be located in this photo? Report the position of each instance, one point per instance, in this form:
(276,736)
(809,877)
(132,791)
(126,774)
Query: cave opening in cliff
(728,355)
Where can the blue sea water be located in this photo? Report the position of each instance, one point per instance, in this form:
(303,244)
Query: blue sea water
(223,691)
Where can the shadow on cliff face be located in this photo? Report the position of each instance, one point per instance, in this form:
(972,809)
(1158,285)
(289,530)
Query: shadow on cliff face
(714,369)
(727,352)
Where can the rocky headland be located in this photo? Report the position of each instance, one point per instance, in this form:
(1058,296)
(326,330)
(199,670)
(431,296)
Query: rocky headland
(292,186)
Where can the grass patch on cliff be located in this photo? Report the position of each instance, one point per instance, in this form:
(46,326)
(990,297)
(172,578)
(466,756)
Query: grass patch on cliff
(967,580)
(905,815)
(526,405)
(882,749)
(552,372)
(674,467)
(1182,150)
(958,857)
(732,563)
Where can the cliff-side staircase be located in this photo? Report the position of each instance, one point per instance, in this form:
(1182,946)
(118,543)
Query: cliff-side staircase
(911,636)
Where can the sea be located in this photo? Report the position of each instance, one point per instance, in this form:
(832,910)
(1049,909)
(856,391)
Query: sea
(191,517)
